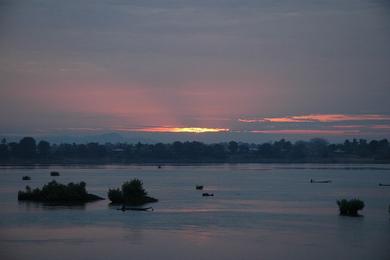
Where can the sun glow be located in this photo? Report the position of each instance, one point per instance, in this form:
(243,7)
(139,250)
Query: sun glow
(196,130)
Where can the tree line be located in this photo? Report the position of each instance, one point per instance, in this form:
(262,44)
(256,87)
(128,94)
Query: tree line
(316,150)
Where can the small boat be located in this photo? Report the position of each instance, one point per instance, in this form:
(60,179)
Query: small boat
(54,173)
(324,181)
(159,166)
(124,208)
(207,194)
(199,187)
(26,178)
(381,184)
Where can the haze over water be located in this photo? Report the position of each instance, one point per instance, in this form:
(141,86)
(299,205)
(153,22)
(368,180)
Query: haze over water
(259,211)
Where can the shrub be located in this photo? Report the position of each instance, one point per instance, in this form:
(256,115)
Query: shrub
(133,188)
(350,207)
(131,192)
(115,195)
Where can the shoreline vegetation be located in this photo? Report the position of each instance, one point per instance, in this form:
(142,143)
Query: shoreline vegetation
(29,152)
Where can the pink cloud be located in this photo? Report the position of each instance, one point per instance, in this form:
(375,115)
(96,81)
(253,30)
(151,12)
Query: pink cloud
(318,118)
(349,126)
(385,127)
(251,120)
(306,132)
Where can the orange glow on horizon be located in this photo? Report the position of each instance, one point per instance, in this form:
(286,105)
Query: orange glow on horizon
(196,130)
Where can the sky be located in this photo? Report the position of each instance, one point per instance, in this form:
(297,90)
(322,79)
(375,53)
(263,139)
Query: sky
(251,70)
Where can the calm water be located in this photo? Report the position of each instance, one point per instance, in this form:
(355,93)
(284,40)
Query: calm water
(258,212)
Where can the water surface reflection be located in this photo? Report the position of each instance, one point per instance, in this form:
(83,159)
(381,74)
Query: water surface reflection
(255,214)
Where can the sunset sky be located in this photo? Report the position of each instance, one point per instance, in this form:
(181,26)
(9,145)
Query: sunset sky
(243,69)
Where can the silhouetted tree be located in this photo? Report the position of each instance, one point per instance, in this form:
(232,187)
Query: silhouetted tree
(4,150)
(243,148)
(233,147)
(265,150)
(132,192)
(43,149)
(282,150)
(133,188)
(298,150)
(318,148)
(27,148)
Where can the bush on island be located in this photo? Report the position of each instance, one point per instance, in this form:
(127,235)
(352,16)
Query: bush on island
(57,192)
(131,192)
(350,207)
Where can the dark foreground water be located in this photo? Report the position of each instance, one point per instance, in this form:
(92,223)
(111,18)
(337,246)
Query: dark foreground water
(258,212)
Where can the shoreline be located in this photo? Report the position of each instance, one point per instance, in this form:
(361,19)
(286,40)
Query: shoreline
(190,163)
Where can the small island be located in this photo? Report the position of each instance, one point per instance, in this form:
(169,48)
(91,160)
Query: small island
(131,193)
(73,193)
(350,207)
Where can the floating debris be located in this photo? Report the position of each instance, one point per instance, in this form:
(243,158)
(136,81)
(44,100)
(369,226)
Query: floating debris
(324,181)
(54,173)
(124,208)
